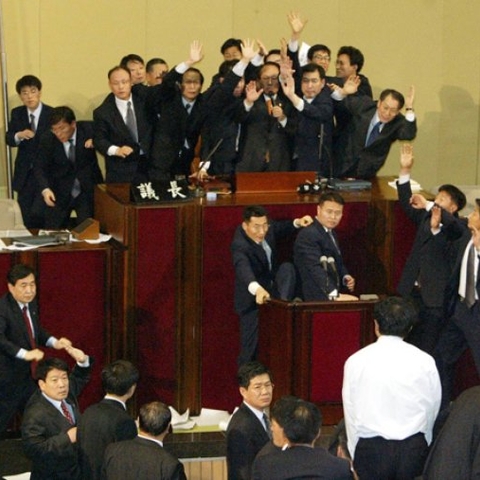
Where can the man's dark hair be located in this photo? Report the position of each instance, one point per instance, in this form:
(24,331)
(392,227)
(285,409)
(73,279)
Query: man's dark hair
(283,409)
(395,95)
(254,211)
(116,68)
(231,42)
(265,65)
(331,197)
(62,113)
(196,70)
(394,316)
(317,48)
(19,271)
(154,418)
(273,51)
(226,67)
(303,424)
(48,364)
(28,81)
(251,370)
(313,67)
(131,57)
(354,54)
(119,376)
(154,61)
(457,196)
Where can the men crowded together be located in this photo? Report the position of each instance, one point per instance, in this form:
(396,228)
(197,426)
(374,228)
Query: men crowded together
(256,116)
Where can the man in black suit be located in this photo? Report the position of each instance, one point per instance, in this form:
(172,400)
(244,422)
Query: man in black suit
(317,256)
(268,125)
(462,307)
(49,431)
(302,459)
(455,454)
(123,128)
(249,428)
(429,264)
(313,137)
(257,272)
(182,114)
(66,169)
(26,126)
(363,148)
(20,336)
(107,421)
(144,457)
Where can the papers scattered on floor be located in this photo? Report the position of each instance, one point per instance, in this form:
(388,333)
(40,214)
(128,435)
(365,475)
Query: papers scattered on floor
(416,187)
(181,421)
(208,420)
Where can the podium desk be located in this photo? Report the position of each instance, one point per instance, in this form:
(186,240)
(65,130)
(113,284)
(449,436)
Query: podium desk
(306,344)
(178,279)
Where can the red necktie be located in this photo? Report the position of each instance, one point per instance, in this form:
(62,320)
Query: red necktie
(67,413)
(29,327)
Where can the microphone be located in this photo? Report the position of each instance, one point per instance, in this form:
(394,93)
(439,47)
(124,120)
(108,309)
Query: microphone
(333,266)
(323,262)
(272,98)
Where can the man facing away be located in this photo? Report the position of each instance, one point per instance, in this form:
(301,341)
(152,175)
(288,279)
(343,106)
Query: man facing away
(249,428)
(49,427)
(301,427)
(144,457)
(107,421)
(20,336)
(391,398)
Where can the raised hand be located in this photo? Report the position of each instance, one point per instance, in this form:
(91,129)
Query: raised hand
(248,50)
(410,97)
(406,157)
(251,92)
(196,52)
(297,24)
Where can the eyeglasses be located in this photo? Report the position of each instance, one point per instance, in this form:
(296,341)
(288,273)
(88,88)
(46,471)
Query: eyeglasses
(318,56)
(273,78)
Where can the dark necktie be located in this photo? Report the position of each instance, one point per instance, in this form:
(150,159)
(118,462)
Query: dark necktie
(470,283)
(268,252)
(188,108)
(267,425)
(32,122)
(66,413)
(131,122)
(373,134)
(75,192)
(332,238)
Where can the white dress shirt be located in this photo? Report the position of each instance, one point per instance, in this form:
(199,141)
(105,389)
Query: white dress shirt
(390,389)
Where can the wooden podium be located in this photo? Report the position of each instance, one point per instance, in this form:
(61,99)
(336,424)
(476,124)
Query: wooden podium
(306,344)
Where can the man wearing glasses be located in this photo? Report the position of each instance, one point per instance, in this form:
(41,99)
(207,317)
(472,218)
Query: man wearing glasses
(266,142)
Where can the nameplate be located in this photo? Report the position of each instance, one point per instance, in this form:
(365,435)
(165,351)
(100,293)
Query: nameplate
(160,192)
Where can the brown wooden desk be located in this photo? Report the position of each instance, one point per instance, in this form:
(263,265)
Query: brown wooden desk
(180,326)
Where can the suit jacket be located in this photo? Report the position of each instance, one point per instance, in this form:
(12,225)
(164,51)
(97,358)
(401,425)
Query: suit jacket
(27,149)
(251,263)
(261,133)
(141,459)
(44,433)
(110,129)
(101,424)
(13,337)
(431,258)
(352,158)
(54,170)
(301,462)
(315,129)
(246,436)
(455,453)
(451,290)
(312,242)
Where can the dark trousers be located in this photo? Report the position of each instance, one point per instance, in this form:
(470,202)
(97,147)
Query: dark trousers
(59,215)
(284,289)
(461,331)
(31,203)
(426,332)
(380,459)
